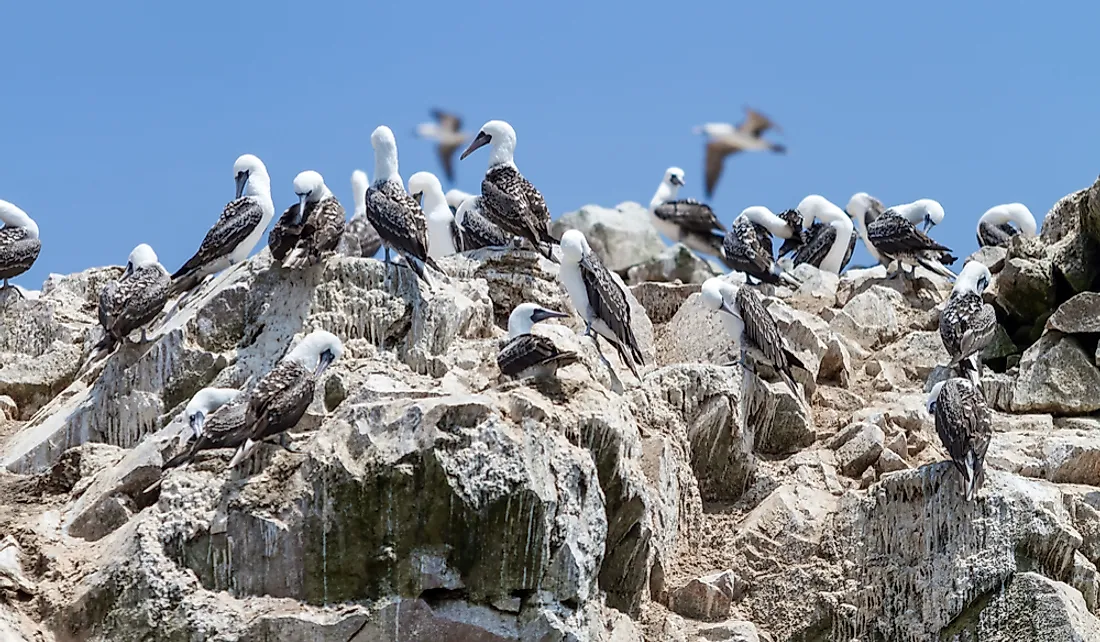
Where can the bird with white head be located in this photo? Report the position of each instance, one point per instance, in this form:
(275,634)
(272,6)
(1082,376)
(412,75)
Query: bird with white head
(526,354)
(19,243)
(310,229)
(685,221)
(995,226)
(444,233)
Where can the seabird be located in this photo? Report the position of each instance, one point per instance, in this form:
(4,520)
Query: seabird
(394,214)
(201,406)
(864,210)
(19,243)
(446,132)
(282,396)
(745,318)
(964,424)
(310,229)
(748,246)
(895,238)
(444,233)
(685,221)
(925,210)
(531,355)
(828,244)
(478,231)
(135,299)
(222,428)
(455,198)
(967,324)
(598,298)
(995,226)
(509,200)
(236,233)
(359,237)
(724,139)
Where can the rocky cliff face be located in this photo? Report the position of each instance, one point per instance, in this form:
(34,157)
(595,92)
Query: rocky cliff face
(427,500)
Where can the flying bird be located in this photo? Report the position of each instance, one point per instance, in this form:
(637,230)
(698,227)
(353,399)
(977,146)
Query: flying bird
(134,300)
(995,226)
(281,397)
(748,246)
(392,211)
(968,324)
(829,242)
(310,229)
(685,221)
(509,200)
(19,243)
(359,238)
(237,232)
(446,131)
(599,299)
(531,355)
(748,321)
(965,425)
(724,139)
(444,233)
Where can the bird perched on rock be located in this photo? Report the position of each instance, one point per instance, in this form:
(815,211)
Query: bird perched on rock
(724,139)
(281,397)
(964,424)
(509,200)
(444,233)
(685,221)
(599,299)
(748,246)
(746,319)
(864,210)
(239,229)
(359,237)
(202,405)
(896,239)
(134,300)
(828,243)
(477,231)
(19,243)
(447,132)
(968,324)
(995,226)
(223,427)
(310,229)
(531,355)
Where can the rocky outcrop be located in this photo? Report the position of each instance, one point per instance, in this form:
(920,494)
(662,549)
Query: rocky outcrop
(623,236)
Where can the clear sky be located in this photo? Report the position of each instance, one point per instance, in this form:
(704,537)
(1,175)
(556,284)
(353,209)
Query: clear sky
(120,121)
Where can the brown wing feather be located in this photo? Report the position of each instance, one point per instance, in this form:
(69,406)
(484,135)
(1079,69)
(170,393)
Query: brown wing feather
(756,123)
(717,150)
(609,303)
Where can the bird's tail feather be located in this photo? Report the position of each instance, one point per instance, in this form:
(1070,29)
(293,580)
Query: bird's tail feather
(973,475)
(626,358)
(178,460)
(935,266)
(243,451)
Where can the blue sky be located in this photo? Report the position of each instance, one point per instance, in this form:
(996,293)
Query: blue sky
(121,120)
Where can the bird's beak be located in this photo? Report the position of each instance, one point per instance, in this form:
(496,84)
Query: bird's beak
(242,178)
(324,362)
(129,270)
(301,210)
(419,197)
(482,140)
(543,314)
(928,224)
(675,180)
(726,308)
(196,423)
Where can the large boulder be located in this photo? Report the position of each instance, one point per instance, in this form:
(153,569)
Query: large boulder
(622,236)
(1057,376)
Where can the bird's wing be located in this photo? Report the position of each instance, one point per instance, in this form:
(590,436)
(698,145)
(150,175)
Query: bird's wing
(717,150)
(761,328)
(479,231)
(690,215)
(963,421)
(514,204)
(457,238)
(981,328)
(359,238)
(447,121)
(763,238)
(446,153)
(529,350)
(275,398)
(323,227)
(893,234)
(283,235)
(609,303)
(742,251)
(17,250)
(756,123)
(398,219)
(995,235)
(818,242)
(138,299)
(239,219)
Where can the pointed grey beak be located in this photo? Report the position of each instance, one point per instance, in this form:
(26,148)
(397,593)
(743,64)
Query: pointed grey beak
(482,140)
(419,198)
(543,314)
(242,179)
(324,362)
(297,220)
(675,180)
(928,224)
(129,270)
(726,308)
(196,423)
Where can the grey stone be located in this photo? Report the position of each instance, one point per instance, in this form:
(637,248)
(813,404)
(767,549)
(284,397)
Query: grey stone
(870,318)
(662,300)
(991,256)
(622,237)
(1024,288)
(1065,456)
(707,598)
(675,264)
(1079,315)
(1057,376)
(860,450)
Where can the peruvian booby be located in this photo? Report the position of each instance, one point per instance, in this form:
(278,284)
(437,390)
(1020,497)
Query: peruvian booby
(239,229)
(748,321)
(311,228)
(598,298)
(223,427)
(455,198)
(201,406)
(19,243)
(508,199)
(895,238)
(282,396)
(444,233)
(968,324)
(864,210)
(135,299)
(685,221)
(392,211)
(924,211)
(724,139)
(359,238)
(531,355)
(748,246)
(477,231)
(447,132)
(995,226)
(965,425)
(828,243)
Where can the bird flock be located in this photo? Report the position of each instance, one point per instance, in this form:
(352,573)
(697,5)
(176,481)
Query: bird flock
(421,224)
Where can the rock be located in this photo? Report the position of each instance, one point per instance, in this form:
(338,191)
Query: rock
(675,264)
(1079,315)
(818,290)
(1065,456)
(889,462)
(678,340)
(8,408)
(917,353)
(1033,607)
(1024,289)
(836,363)
(116,493)
(622,237)
(729,631)
(806,335)
(860,447)
(1057,376)
(512,278)
(991,256)
(12,576)
(855,282)
(709,597)
(786,430)
(870,318)
(662,300)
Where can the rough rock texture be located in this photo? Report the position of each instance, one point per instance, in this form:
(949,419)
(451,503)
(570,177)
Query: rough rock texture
(426,499)
(623,236)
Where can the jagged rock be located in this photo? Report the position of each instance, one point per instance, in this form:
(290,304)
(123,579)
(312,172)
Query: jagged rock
(1066,456)
(1024,289)
(917,353)
(513,278)
(857,447)
(675,264)
(8,408)
(787,429)
(855,282)
(1079,315)
(1033,607)
(818,290)
(870,318)
(1057,376)
(991,256)
(662,300)
(807,336)
(836,363)
(729,631)
(678,341)
(709,597)
(12,576)
(622,237)
(889,462)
